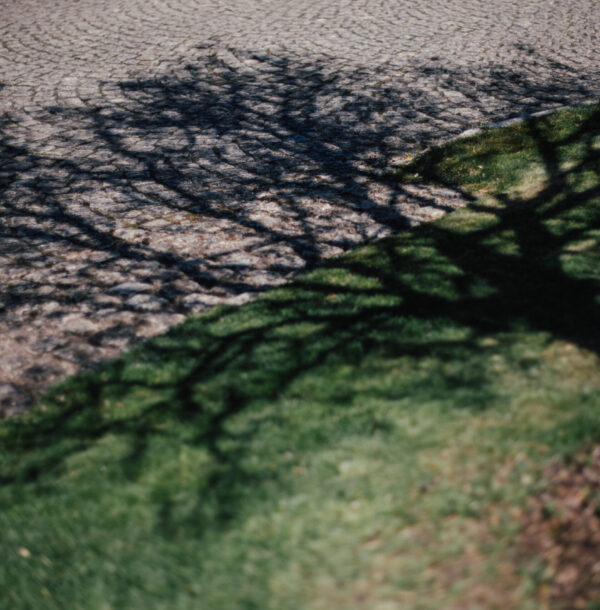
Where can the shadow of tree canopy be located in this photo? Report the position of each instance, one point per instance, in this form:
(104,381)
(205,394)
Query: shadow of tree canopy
(424,302)
(168,195)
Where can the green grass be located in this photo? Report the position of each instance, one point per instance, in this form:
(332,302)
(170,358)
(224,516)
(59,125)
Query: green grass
(365,437)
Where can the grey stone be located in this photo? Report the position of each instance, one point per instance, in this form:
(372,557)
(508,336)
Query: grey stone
(131,288)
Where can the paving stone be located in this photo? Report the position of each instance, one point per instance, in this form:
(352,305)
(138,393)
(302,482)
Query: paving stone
(160,158)
(130,288)
(145,302)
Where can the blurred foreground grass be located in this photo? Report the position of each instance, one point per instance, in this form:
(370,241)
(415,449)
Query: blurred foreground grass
(365,437)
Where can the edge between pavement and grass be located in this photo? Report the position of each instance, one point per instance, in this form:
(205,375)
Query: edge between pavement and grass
(366,436)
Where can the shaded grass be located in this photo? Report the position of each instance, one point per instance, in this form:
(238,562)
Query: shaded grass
(364,437)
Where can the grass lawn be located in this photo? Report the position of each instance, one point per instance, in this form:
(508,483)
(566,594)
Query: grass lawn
(366,437)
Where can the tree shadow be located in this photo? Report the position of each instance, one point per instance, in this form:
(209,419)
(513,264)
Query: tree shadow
(219,182)
(212,183)
(429,297)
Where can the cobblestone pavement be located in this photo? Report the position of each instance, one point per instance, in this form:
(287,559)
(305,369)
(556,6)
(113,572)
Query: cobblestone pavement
(160,156)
